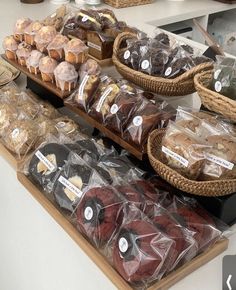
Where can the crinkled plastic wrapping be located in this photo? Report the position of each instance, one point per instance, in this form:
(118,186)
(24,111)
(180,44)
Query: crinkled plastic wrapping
(145,119)
(89,20)
(183,151)
(8,114)
(108,18)
(68,127)
(72,28)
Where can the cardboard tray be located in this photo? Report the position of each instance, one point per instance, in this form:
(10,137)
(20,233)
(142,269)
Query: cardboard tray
(101,262)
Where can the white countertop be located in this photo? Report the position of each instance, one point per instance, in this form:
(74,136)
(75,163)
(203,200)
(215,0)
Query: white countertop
(35,253)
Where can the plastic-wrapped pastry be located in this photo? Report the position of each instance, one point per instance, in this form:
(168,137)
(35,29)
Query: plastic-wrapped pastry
(19,28)
(8,114)
(23,52)
(102,105)
(72,29)
(10,46)
(29,108)
(76,51)
(98,214)
(21,136)
(145,119)
(47,66)
(43,37)
(56,47)
(33,61)
(46,127)
(57,18)
(90,67)
(89,20)
(66,126)
(108,18)
(31,30)
(48,110)
(66,76)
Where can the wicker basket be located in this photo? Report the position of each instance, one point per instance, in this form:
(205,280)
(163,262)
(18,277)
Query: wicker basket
(126,3)
(180,86)
(202,188)
(212,100)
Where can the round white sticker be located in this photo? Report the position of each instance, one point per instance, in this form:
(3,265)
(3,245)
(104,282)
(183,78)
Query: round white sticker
(114,109)
(85,18)
(145,64)
(61,124)
(218,86)
(15,133)
(127,54)
(88,213)
(123,245)
(216,73)
(168,71)
(137,121)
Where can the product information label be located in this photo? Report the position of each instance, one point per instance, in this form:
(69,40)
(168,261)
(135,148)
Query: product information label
(82,85)
(220,161)
(145,64)
(88,213)
(168,71)
(104,78)
(71,187)
(176,156)
(45,161)
(216,74)
(93,45)
(127,54)
(61,124)
(123,245)
(102,99)
(218,86)
(15,133)
(137,121)
(114,109)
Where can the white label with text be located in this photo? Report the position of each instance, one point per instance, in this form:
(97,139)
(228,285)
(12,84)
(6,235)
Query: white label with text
(176,156)
(45,161)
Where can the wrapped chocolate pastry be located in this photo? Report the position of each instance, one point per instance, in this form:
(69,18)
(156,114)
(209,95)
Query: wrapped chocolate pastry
(146,118)
(67,126)
(8,114)
(27,106)
(75,176)
(56,47)
(72,29)
(224,78)
(183,151)
(33,60)
(122,111)
(21,136)
(89,20)
(102,105)
(108,18)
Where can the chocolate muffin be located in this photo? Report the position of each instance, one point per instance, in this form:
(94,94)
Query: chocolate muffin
(98,214)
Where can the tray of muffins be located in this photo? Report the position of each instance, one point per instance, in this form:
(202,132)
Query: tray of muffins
(118,217)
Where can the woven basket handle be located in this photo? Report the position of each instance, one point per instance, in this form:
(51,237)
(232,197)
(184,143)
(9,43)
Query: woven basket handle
(120,38)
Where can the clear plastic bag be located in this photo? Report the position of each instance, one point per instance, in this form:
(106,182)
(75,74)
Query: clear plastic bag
(68,127)
(108,18)
(72,28)
(8,114)
(183,151)
(89,20)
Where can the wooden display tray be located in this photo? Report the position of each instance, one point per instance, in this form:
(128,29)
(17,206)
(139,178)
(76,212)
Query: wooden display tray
(8,156)
(111,135)
(101,262)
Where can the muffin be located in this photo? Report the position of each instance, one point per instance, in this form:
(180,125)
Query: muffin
(7,115)
(66,126)
(23,52)
(33,60)
(31,30)
(20,136)
(66,76)
(19,28)
(47,66)
(75,51)
(10,46)
(90,67)
(56,47)
(43,37)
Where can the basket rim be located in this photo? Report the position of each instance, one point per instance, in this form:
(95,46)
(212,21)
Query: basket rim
(180,177)
(182,78)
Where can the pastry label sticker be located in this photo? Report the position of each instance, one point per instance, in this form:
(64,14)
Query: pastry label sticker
(175,156)
(218,86)
(45,161)
(137,121)
(104,78)
(15,133)
(145,64)
(93,45)
(168,71)
(103,97)
(216,74)
(88,213)
(220,161)
(61,124)
(85,18)
(70,186)
(123,245)
(82,85)
(114,109)
(127,54)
